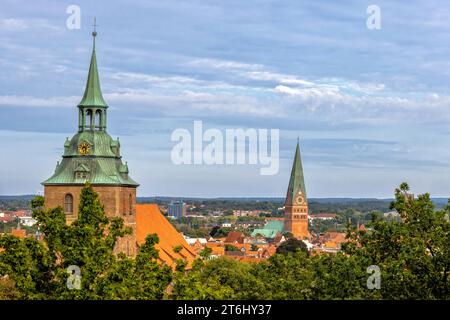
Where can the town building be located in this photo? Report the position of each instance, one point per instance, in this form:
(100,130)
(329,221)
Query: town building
(176,210)
(296,204)
(296,207)
(27,221)
(93,156)
(322,216)
(270,230)
(171,246)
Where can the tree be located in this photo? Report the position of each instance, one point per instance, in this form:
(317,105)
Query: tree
(413,254)
(230,247)
(41,270)
(205,253)
(221,278)
(292,245)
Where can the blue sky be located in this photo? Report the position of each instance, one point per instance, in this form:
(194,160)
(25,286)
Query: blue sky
(371,107)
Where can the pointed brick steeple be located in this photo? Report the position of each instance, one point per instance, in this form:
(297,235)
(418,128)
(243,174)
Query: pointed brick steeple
(296,204)
(296,182)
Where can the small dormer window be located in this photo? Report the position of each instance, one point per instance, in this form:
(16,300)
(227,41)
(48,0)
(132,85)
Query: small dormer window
(82,172)
(81,175)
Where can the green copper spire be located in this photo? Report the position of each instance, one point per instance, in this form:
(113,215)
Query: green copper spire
(92,94)
(296,182)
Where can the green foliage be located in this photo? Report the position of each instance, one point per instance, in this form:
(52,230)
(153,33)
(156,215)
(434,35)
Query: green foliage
(220,232)
(205,253)
(221,278)
(8,290)
(412,254)
(39,269)
(413,257)
(292,245)
(230,247)
(177,249)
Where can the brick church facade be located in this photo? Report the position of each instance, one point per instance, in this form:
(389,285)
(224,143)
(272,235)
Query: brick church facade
(93,156)
(296,203)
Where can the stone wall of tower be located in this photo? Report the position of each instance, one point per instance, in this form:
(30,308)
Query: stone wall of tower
(119,201)
(296,221)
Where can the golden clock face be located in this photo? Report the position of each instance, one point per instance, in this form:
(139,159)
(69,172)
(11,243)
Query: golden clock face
(300,199)
(84,148)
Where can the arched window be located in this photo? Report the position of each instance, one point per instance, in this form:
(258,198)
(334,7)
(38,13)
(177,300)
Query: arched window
(89,119)
(68,204)
(98,119)
(130,203)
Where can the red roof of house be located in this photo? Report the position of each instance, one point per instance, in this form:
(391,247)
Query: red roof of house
(150,220)
(234,237)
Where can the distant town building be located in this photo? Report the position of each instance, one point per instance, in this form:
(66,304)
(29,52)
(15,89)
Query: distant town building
(322,216)
(249,213)
(270,230)
(296,204)
(235,237)
(27,221)
(149,220)
(176,209)
(330,242)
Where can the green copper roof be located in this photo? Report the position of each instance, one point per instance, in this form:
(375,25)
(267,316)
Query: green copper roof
(93,94)
(270,230)
(296,182)
(266,233)
(102,165)
(277,225)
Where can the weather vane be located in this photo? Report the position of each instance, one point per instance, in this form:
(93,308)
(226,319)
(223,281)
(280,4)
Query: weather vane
(94,33)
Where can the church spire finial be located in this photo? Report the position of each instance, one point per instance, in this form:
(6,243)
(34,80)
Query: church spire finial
(94,33)
(92,94)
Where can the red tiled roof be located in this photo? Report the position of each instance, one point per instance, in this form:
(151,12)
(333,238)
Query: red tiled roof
(235,236)
(149,219)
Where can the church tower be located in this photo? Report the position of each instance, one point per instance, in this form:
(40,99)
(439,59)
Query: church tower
(93,156)
(296,204)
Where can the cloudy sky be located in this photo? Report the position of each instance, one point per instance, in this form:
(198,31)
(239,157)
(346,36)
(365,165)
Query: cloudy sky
(371,107)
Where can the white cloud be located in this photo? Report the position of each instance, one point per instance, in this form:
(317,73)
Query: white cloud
(29,101)
(278,77)
(11,24)
(223,64)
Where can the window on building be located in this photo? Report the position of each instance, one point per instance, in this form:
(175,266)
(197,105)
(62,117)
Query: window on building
(98,119)
(89,119)
(68,204)
(130,202)
(81,175)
